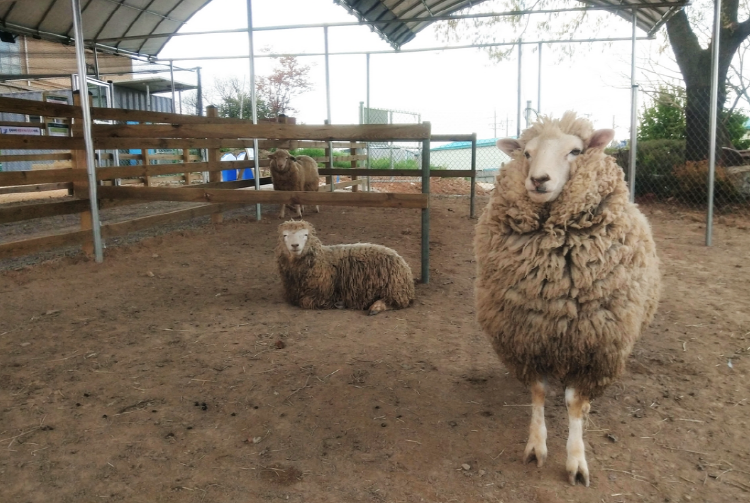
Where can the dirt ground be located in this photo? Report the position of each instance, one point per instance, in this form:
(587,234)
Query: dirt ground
(174,371)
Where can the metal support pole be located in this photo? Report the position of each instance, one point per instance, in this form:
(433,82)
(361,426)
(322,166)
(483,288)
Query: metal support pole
(426,211)
(254,104)
(328,79)
(199,97)
(539,84)
(96,63)
(171,79)
(712,122)
(87,138)
(367,117)
(328,106)
(633,114)
(518,104)
(473,173)
(148,98)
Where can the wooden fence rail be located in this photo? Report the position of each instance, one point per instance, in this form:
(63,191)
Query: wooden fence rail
(146,131)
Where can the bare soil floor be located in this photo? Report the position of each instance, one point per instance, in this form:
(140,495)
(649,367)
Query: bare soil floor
(174,371)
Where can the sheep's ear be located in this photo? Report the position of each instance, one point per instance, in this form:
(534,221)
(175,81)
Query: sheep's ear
(508,145)
(601,138)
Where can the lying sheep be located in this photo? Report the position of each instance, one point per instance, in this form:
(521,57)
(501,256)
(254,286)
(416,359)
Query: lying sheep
(567,272)
(353,276)
(290,173)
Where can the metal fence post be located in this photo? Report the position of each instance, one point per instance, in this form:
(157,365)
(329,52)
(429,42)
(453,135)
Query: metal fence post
(426,211)
(713,110)
(473,173)
(633,115)
(87,135)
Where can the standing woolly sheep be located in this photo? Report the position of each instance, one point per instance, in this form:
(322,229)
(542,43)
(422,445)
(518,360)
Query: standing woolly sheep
(352,276)
(567,272)
(292,173)
(309,174)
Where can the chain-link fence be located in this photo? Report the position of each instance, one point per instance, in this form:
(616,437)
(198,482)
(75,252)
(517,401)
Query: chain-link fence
(392,155)
(672,155)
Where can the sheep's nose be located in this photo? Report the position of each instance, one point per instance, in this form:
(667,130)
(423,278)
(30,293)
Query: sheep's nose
(539,181)
(295,246)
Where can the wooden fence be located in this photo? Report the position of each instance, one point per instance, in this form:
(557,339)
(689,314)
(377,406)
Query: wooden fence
(145,131)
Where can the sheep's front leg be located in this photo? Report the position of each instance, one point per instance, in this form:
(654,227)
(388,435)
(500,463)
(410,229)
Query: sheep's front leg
(576,465)
(299,210)
(283,209)
(536,448)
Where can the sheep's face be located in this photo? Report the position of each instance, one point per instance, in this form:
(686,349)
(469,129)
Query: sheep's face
(280,160)
(550,160)
(295,240)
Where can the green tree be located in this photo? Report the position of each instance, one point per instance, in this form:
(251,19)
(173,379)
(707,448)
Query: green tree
(665,118)
(735,125)
(694,61)
(233,99)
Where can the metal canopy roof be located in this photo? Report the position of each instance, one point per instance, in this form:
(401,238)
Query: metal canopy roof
(394,19)
(155,85)
(53,20)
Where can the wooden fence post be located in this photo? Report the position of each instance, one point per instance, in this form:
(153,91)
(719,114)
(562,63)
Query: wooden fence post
(354,164)
(214,158)
(81,188)
(186,160)
(146,159)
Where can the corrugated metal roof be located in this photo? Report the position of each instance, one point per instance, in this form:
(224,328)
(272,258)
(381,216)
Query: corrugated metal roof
(397,31)
(101,19)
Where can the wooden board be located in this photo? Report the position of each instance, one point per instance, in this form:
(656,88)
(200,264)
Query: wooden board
(360,199)
(62,156)
(451,137)
(413,173)
(8,178)
(44,187)
(341,185)
(41,210)
(369,132)
(35,245)
(28,107)
(31,142)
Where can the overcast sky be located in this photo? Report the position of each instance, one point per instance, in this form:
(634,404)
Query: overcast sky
(458,91)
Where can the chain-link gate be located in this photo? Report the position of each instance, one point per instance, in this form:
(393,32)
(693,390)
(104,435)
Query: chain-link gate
(392,155)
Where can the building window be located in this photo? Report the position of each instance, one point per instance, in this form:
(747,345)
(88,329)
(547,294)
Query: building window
(10,58)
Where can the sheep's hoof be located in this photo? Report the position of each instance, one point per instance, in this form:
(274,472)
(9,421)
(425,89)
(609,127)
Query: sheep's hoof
(340,305)
(373,312)
(577,470)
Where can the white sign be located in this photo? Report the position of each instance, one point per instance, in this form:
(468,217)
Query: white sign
(35,131)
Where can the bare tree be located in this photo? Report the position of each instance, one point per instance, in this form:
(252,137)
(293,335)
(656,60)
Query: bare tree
(288,80)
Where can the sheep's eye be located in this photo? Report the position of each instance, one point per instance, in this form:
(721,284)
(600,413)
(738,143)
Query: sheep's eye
(306,235)
(528,156)
(575,151)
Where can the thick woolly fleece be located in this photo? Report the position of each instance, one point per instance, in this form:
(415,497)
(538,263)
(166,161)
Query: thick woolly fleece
(565,288)
(308,169)
(355,274)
